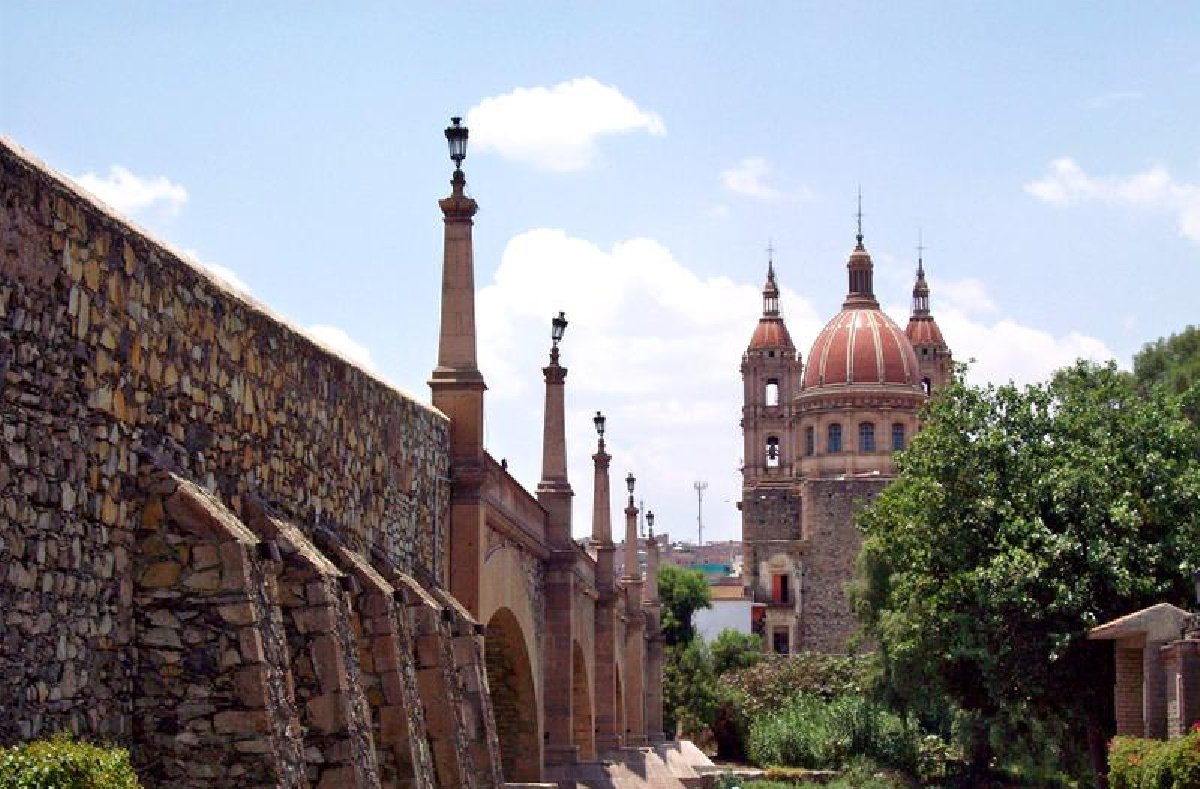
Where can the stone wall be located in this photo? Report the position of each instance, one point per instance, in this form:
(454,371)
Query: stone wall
(116,355)
(831,545)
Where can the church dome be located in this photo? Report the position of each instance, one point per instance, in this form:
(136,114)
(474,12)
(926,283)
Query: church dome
(861,345)
(924,332)
(771,332)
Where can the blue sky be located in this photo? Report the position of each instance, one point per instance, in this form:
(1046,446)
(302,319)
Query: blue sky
(631,162)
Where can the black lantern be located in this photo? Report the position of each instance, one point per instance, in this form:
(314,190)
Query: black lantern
(558,327)
(598,421)
(650,519)
(1196,584)
(456,137)
(629,480)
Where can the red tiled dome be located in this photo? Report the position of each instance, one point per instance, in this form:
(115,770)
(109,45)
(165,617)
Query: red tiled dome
(770,333)
(861,345)
(923,331)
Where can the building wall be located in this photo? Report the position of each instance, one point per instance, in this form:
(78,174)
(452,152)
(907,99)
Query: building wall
(116,355)
(724,615)
(831,545)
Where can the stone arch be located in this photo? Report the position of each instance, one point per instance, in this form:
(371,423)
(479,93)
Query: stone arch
(514,703)
(584,735)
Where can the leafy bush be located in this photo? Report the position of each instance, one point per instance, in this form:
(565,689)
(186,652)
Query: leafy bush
(1154,764)
(809,731)
(732,650)
(772,682)
(63,763)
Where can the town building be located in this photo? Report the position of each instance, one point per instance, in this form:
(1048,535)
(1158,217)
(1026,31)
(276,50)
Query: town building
(819,440)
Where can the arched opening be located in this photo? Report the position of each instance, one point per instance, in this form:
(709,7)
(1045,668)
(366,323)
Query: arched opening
(810,441)
(514,703)
(772,452)
(583,735)
(927,386)
(897,436)
(772,394)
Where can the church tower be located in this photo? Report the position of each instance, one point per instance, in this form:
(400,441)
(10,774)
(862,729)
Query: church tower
(771,378)
(770,507)
(933,355)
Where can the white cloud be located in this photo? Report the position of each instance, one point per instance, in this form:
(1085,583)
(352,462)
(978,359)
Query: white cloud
(1003,349)
(226,275)
(557,128)
(339,341)
(1111,99)
(1154,189)
(749,178)
(650,343)
(130,194)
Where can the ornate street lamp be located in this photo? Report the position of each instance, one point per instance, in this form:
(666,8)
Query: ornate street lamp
(456,138)
(557,327)
(650,520)
(629,480)
(598,420)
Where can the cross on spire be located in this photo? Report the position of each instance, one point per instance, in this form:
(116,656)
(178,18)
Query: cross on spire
(859,216)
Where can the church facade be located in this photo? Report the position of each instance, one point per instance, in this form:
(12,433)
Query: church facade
(819,440)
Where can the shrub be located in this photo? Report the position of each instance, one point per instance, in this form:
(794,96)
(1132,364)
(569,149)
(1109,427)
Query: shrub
(63,763)
(809,731)
(772,682)
(1135,763)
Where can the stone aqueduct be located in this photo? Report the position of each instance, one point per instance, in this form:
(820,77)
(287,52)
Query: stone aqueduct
(255,564)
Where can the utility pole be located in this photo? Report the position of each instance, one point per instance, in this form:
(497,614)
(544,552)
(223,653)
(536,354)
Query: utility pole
(700,487)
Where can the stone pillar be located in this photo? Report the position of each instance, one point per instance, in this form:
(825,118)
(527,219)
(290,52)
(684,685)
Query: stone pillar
(635,636)
(554,490)
(1181,662)
(655,645)
(609,735)
(458,388)
(1128,692)
(1154,691)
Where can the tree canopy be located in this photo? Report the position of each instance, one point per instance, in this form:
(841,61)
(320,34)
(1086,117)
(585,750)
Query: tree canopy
(1173,363)
(1019,519)
(681,592)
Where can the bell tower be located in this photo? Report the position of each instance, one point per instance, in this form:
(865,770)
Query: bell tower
(934,360)
(771,378)
(770,505)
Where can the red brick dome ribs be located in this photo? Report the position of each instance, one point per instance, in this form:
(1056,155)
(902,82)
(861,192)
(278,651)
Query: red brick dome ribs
(924,331)
(770,333)
(861,345)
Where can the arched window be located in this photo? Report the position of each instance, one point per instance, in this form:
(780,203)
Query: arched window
(866,437)
(897,436)
(810,441)
(834,444)
(926,386)
(772,452)
(772,393)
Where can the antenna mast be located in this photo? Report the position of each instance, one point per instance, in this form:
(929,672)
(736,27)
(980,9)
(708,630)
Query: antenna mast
(700,487)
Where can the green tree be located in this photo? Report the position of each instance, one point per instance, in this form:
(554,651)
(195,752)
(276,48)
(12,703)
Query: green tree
(682,593)
(1173,363)
(1019,519)
(732,650)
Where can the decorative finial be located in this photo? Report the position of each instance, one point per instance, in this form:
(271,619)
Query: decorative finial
(920,255)
(859,215)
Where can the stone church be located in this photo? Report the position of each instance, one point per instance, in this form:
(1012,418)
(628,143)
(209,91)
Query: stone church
(819,440)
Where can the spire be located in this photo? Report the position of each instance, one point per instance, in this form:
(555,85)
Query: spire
(861,270)
(920,302)
(859,215)
(770,290)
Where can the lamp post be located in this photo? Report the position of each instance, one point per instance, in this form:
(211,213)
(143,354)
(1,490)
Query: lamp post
(598,420)
(558,327)
(631,532)
(1196,584)
(456,138)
